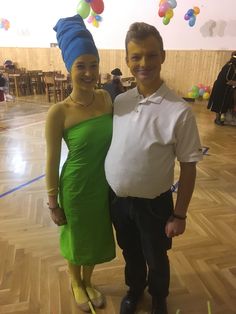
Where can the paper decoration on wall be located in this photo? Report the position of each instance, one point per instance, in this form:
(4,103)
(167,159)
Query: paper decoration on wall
(166,10)
(4,24)
(190,16)
(91,9)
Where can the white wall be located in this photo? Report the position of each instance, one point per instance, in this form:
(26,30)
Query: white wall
(32,22)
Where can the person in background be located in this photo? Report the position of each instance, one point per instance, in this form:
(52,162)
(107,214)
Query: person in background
(114,87)
(152,127)
(3,83)
(78,196)
(4,88)
(9,65)
(222,98)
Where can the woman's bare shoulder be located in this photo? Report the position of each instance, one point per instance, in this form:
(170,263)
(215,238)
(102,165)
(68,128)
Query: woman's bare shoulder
(57,110)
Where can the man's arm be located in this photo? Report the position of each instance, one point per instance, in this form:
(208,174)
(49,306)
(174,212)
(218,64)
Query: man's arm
(176,226)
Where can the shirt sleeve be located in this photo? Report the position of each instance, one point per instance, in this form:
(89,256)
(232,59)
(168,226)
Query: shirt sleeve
(53,135)
(188,145)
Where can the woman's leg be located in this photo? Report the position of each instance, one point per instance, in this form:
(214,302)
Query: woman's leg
(78,289)
(95,296)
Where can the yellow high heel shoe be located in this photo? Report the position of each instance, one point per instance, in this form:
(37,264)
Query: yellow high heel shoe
(96,297)
(84,306)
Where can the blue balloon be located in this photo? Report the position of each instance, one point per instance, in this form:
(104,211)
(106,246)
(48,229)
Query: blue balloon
(190,12)
(192,21)
(98,18)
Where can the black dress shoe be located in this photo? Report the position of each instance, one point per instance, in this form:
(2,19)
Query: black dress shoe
(129,302)
(159,306)
(219,121)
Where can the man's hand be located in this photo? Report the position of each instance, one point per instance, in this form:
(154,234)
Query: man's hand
(175,227)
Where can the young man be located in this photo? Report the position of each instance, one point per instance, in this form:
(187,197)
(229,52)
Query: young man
(151,127)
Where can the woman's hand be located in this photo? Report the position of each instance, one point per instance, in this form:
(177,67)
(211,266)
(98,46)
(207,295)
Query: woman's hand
(58,216)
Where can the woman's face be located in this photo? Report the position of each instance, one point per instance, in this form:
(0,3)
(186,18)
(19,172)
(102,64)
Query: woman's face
(85,72)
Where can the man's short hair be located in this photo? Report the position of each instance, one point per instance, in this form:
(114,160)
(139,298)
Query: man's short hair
(140,31)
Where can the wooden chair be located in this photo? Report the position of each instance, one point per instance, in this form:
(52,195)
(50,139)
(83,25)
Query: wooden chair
(36,82)
(19,84)
(51,88)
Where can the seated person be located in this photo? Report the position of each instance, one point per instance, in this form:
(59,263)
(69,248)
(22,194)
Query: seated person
(114,87)
(9,65)
(4,88)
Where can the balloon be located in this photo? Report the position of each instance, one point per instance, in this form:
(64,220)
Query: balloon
(200,85)
(201,91)
(98,18)
(190,12)
(196,10)
(161,13)
(164,7)
(190,94)
(207,89)
(195,88)
(186,17)
(195,94)
(83,9)
(166,20)
(192,20)
(90,19)
(97,6)
(172,3)
(206,96)
(169,13)
(95,23)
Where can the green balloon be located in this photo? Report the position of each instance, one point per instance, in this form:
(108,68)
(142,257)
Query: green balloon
(195,89)
(83,9)
(166,20)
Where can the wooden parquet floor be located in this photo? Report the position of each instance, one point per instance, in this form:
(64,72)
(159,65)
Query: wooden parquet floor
(33,275)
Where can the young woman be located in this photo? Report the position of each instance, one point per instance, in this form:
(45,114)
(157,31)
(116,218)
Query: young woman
(78,197)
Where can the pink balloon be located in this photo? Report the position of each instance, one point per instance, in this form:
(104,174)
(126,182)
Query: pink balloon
(97,6)
(164,7)
(90,19)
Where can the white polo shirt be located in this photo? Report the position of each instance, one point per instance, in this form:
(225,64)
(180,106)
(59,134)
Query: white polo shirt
(148,134)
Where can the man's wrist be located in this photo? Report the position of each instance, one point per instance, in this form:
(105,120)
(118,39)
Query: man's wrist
(178,216)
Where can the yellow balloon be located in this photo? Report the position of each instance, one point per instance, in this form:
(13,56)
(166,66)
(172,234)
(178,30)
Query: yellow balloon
(206,96)
(95,23)
(190,95)
(169,13)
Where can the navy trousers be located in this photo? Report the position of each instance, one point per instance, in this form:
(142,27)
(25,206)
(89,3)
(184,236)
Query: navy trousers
(140,232)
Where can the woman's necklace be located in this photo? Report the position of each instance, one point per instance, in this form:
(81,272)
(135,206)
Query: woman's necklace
(81,104)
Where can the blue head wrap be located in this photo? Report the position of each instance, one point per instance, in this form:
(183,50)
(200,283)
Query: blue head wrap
(74,39)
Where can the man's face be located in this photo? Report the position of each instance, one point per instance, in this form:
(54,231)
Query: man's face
(144,59)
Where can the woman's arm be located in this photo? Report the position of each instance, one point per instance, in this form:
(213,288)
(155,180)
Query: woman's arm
(53,133)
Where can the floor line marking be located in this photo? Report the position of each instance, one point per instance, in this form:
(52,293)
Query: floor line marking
(22,186)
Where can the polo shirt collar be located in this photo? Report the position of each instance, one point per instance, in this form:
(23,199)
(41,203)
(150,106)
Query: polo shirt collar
(156,97)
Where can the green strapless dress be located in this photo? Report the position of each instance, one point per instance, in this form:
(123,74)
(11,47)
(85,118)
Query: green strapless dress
(87,239)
